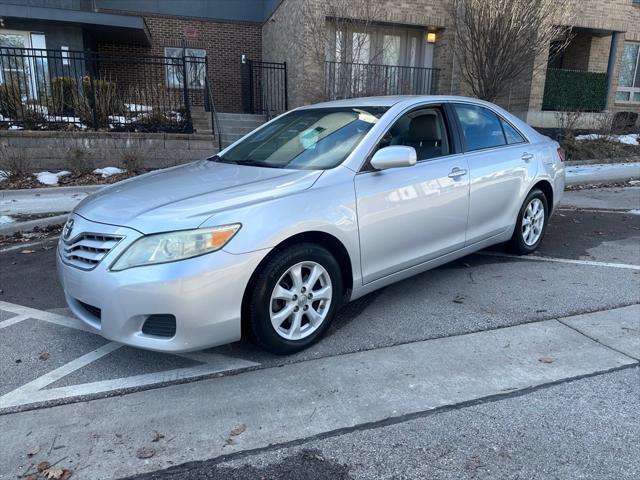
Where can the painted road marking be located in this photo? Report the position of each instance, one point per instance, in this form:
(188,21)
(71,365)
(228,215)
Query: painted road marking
(13,320)
(35,391)
(324,396)
(591,263)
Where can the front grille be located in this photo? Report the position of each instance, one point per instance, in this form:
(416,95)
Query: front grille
(95,311)
(87,250)
(160,325)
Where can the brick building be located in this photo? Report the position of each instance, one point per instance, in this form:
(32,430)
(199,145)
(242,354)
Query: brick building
(406,47)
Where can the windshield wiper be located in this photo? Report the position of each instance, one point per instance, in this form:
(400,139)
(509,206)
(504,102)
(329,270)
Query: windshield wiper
(248,163)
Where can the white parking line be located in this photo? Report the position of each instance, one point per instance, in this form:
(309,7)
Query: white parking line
(35,391)
(591,263)
(13,321)
(598,210)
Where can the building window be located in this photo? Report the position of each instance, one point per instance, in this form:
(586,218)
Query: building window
(629,79)
(195,60)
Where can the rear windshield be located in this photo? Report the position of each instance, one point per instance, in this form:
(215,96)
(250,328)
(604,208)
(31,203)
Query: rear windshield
(309,139)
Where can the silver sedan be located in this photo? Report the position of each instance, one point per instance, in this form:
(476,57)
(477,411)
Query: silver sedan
(317,207)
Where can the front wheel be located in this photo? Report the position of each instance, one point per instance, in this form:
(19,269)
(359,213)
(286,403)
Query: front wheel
(296,296)
(531,224)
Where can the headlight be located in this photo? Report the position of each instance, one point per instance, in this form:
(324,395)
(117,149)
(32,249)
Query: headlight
(173,246)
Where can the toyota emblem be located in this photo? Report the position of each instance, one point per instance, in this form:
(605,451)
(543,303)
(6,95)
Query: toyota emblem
(68,227)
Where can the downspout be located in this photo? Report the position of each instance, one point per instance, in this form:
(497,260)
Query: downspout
(610,68)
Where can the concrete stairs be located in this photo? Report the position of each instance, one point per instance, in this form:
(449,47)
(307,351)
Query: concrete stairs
(232,125)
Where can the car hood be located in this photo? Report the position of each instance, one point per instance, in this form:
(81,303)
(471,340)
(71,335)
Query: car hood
(186,196)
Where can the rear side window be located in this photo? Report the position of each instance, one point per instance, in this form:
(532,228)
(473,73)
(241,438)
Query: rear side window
(511,133)
(481,127)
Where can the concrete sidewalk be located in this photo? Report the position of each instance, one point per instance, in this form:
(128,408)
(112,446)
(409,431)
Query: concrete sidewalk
(107,438)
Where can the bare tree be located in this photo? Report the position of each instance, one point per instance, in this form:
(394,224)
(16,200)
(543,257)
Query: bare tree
(497,41)
(343,32)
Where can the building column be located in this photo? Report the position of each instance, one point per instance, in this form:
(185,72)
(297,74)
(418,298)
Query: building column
(611,69)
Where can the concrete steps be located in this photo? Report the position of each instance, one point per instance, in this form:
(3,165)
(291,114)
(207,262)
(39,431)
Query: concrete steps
(232,125)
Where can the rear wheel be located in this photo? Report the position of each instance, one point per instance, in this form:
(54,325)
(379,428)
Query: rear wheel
(295,298)
(531,224)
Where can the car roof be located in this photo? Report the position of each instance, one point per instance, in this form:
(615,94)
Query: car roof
(391,100)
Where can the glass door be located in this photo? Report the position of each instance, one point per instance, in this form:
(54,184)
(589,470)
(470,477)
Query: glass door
(26,70)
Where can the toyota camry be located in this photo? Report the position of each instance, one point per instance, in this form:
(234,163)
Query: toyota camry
(315,208)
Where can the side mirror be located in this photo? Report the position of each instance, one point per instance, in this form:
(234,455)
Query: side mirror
(393,157)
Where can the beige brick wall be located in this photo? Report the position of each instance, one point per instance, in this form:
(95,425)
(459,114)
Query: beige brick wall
(284,39)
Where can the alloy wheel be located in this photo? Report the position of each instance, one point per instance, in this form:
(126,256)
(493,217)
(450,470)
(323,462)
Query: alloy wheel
(300,300)
(533,222)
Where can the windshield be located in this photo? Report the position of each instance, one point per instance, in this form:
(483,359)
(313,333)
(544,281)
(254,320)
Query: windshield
(310,139)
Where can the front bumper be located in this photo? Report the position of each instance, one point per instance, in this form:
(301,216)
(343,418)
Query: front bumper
(203,293)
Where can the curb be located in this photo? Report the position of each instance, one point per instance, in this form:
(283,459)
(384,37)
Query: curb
(601,173)
(11,228)
(38,192)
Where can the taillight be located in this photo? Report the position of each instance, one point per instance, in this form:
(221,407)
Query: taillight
(561,154)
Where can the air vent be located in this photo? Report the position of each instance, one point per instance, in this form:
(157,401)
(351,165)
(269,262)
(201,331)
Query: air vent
(160,326)
(91,310)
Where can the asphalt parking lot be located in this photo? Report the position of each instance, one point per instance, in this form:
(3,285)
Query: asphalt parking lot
(589,262)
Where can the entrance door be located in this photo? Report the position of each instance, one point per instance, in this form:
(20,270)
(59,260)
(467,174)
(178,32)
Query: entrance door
(26,70)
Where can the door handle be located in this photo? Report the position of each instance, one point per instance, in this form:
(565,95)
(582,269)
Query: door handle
(527,156)
(457,172)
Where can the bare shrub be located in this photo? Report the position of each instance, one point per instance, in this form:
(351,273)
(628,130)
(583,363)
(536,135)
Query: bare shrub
(79,162)
(14,163)
(497,41)
(132,159)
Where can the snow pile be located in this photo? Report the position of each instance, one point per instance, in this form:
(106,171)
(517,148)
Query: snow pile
(49,178)
(108,171)
(629,139)
(3,175)
(134,107)
(4,219)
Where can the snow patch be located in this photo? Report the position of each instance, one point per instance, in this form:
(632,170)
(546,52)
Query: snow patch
(3,174)
(630,139)
(49,178)
(135,107)
(4,219)
(108,171)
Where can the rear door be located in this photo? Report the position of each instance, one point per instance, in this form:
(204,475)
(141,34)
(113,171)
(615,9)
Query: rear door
(410,215)
(501,167)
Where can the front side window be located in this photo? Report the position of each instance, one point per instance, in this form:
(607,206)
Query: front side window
(195,60)
(422,129)
(309,139)
(480,127)
(629,78)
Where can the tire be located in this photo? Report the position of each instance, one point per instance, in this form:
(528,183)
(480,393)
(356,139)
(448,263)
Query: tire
(525,241)
(281,296)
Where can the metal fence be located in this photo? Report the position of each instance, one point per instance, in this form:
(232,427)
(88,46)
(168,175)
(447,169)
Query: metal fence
(265,87)
(66,90)
(348,80)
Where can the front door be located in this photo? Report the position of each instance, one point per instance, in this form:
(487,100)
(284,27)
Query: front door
(410,215)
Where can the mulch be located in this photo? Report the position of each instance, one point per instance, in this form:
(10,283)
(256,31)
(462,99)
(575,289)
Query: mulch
(66,181)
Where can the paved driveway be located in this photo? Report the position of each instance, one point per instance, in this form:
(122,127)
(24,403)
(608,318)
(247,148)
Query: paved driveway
(589,262)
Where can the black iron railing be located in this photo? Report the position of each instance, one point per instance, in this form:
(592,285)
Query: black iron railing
(59,89)
(347,80)
(265,87)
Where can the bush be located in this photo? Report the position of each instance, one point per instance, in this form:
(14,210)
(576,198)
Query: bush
(30,119)
(624,122)
(132,159)
(575,90)
(63,96)
(15,163)
(78,162)
(158,122)
(106,102)
(10,100)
